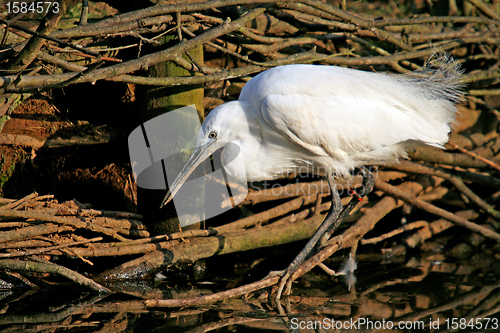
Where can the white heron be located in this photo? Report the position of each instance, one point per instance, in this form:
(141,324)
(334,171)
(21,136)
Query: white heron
(329,120)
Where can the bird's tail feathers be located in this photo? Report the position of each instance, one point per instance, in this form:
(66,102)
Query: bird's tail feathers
(442,75)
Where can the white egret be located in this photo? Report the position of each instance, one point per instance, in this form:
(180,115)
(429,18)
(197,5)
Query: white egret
(328,120)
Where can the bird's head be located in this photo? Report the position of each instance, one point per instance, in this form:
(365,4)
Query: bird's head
(223,125)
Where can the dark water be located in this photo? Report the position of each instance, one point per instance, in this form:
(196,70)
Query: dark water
(424,292)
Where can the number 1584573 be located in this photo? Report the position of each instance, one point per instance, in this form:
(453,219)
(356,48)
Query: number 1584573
(16,7)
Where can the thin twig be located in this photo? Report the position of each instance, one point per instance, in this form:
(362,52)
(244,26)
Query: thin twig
(465,151)
(73,222)
(392,190)
(171,303)
(53,39)
(47,249)
(54,269)
(75,78)
(18,202)
(406,227)
(458,182)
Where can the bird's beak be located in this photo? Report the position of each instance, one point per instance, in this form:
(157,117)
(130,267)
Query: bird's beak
(200,154)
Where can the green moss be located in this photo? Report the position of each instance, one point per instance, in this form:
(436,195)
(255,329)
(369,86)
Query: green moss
(7,169)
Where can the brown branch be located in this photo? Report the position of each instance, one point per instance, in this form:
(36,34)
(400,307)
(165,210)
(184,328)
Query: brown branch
(392,190)
(78,53)
(41,36)
(85,13)
(458,182)
(267,236)
(204,247)
(435,227)
(471,154)
(435,194)
(385,22)
(434,155)
(480,75)
(32,231)
(226,50)
(145,61)
(172,303)
(273,48)
(406,227)
(386,36)
(6,200)
(485,9)
(90,30)
(59,62)
(296,190)
(18,202)
(40,267)
(110,213)
(116,72)
(47,249)
(20,140)
(305,57)
(72,222)
(64,83)
(269,214)
(314,19)
(268,281)
(34,44)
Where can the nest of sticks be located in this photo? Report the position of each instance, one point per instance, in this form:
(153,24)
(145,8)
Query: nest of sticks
(461,182)
(37,230)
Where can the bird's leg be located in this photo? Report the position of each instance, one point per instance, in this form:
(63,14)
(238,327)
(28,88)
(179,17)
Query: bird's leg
(366,187)
(332,216)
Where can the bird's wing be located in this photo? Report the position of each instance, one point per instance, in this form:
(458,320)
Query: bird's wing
(335,111)
(338,126)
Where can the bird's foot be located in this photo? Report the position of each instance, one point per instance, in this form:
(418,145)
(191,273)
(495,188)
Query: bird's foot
(276,273)
(355,195)
(284,286)
(285,283)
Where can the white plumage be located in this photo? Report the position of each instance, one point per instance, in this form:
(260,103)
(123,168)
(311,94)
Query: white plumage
(326,120)
(332,118)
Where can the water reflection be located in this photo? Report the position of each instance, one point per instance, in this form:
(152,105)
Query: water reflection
(421,294)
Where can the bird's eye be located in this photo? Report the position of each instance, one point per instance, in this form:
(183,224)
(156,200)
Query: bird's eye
(212,135)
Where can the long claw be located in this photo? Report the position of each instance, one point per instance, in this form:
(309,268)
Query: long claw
(331,222)
(281,285)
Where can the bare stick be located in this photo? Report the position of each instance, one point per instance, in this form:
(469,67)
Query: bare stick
(150,59)
(170,303)
(458,182)
(40,267)
(31,231)
(53,39)
(269,214)
(33,45)
(74,222)
(392,190)
(46,249)
(407,227)
(435,227)
(465,151)
(295,190)
(18,202)
(485,9)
